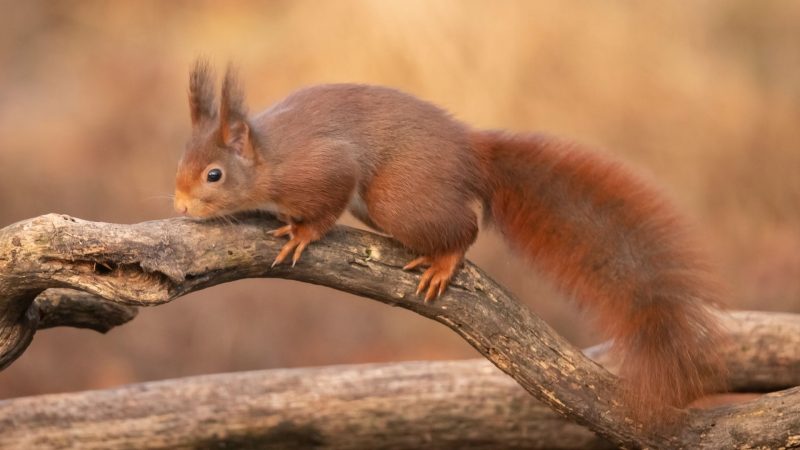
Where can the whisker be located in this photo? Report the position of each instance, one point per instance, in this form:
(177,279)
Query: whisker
(160,197)
(169,196)
(222,220)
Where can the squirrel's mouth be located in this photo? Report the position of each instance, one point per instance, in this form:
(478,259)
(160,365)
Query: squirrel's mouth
(195,208)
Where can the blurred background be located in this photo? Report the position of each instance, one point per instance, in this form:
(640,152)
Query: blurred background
(702,95)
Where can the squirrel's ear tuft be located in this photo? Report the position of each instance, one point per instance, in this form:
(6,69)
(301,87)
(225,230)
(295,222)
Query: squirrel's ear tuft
(234,132)
(201,91)
(231,106)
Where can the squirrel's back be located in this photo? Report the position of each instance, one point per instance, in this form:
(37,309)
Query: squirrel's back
(383,119)
(380,126)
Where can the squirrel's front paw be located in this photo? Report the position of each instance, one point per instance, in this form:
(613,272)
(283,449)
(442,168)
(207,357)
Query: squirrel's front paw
(437,276)
(300,235)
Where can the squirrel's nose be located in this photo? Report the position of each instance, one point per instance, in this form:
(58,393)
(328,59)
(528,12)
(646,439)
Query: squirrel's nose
(181,207)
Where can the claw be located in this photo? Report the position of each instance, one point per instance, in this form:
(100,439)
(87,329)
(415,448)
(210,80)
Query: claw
(417,262)
(431,292)
(295,244)
(282,231)
(285,250)
(299,251)
(437,286)
(423,280)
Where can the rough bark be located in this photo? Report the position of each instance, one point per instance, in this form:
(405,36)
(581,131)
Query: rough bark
(459,405)
(447,405)
(763,354)
(154,262)
(71,308)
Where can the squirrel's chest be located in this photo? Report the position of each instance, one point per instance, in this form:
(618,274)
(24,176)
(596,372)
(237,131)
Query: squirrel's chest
(271,207)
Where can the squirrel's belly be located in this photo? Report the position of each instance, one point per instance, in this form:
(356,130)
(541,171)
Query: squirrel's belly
(358,208)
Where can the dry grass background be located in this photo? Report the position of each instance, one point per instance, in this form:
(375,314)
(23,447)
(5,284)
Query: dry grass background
(704,95)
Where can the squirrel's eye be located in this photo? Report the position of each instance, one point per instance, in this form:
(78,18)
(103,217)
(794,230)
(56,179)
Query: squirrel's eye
(214,175)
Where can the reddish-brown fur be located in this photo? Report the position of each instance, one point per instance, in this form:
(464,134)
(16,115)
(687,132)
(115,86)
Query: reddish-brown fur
(407,168)
(615,245)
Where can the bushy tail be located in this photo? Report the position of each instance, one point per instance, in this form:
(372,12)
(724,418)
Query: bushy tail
(614,244)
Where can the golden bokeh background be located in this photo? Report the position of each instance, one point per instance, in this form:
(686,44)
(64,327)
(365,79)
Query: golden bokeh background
(702,95)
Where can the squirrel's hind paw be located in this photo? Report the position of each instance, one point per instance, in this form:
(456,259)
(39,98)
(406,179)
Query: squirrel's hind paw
(437,276)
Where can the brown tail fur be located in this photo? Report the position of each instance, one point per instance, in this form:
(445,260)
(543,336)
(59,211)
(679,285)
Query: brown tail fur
(612,242)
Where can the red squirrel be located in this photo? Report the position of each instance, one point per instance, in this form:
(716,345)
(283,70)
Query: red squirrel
(409,169)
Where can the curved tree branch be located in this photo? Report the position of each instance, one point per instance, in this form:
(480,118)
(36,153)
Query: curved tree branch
(763,355)
(71,308)
(154,262)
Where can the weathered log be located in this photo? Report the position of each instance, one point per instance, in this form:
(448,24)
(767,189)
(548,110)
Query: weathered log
(460,404)
(456,405)
(154,262)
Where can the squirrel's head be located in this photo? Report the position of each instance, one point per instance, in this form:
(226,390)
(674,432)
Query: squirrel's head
(218,166)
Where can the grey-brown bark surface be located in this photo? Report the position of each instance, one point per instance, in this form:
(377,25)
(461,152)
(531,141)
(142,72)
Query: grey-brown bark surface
(452,405)
(459,405)
(71,308)
(154,262)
